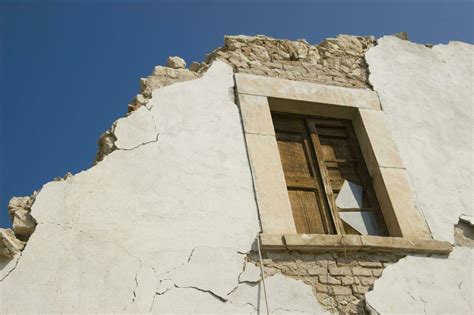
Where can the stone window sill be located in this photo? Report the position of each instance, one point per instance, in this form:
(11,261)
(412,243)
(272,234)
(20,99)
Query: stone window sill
(322,242)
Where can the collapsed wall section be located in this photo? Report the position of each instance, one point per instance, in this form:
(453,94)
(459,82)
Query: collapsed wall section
(336,61)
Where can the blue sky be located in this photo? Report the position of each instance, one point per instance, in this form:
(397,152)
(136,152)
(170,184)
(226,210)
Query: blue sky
(68,69)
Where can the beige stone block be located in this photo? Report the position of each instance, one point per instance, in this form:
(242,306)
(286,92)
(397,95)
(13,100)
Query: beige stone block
(340,271)
(351,241)
(272,241)
(347,280)
(328,279)
(256,115)
(360,271)
(341,290)
(19,203)
(322,288)
(375,140)
(305,91)
(312,241)
(397,203)
(313,271)
(9,244)
(176,62)
(272,196)
(23,223)
(404,245)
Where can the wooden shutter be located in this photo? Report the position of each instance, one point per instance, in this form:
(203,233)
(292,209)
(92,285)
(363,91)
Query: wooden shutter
(340,159)
(310,209)
(318,155)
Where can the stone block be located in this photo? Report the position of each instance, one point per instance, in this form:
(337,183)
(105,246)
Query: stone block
(398,204)
(347,280)
(272,241)
(256,115)
(398,244)
(311,241)
(341,290)
(340,271)
(303,91)
(195,66)
(270,185)
(322,288)
(176,63)
(301,271)
(377,146)
(9,244)
(377,272)
(352,241)
(328,279)
(313,271)
(23,223)
(360,271)
(19,203)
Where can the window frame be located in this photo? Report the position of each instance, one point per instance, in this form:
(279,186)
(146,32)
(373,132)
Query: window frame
(258,96)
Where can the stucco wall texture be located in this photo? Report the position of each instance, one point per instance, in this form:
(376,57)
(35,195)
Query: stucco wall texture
(166,220)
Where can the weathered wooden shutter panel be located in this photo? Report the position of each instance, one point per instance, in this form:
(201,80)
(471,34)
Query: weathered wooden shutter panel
(310,210)
(342,160)
(318,156)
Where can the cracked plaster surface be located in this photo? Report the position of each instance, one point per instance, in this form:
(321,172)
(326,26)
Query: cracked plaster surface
(429,285)
(285,295)
(251,273)
(155,225)
(426,94)
(136,129)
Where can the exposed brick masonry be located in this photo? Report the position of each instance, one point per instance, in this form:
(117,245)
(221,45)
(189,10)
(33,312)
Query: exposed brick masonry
(335,61)
(339,280)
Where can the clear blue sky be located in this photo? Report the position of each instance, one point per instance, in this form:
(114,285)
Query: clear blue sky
(68,69)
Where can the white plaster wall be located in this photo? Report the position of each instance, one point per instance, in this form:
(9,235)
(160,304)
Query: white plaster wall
(426,285)
(160,225)
(427,96)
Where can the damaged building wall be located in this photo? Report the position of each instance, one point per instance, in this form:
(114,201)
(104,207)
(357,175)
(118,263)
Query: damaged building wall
(426,94)
(168,212)
(163,223)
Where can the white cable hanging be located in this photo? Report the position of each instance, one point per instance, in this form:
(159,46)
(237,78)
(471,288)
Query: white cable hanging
(262,274)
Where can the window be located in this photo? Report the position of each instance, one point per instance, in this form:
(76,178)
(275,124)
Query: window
(326,172)
(328,183)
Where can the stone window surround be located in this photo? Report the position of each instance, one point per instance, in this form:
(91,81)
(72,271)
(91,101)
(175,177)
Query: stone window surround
(257,96)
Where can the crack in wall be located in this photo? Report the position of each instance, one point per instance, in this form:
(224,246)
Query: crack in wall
(140,145)
(13,268)
(339,280)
